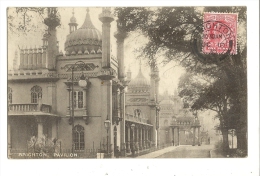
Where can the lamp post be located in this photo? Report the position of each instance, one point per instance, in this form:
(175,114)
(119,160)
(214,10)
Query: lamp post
(82,83)
(107,126)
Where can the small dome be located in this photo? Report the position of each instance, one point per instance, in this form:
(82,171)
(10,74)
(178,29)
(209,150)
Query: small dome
(73,19)
(139,84)
(139,81)
(87,37)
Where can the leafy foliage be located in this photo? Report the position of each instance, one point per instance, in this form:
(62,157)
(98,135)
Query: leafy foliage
(21,20)
(219,86)
(43,145)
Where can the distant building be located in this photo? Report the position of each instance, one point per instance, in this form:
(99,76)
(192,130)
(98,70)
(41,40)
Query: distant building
(178,126)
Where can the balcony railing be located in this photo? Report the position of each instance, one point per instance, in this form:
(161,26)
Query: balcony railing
(30,107)
(136,119)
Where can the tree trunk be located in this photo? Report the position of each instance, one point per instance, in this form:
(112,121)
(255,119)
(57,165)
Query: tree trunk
(241,139)
(225,140)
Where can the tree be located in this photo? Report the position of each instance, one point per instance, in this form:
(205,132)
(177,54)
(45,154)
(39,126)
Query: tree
(21,19)
(205,93)
(169,30)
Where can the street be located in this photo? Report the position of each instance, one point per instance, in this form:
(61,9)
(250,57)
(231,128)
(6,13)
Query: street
(188,151)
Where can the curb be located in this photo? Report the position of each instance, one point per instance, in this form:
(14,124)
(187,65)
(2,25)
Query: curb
(158,154)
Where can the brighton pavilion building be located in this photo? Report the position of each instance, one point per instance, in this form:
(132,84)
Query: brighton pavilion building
(80,100)
(178,126)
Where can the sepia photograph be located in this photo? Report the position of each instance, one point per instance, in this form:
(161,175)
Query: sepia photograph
(127,82)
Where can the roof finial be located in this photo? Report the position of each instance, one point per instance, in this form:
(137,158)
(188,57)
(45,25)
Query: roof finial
(87,9)
(73,11)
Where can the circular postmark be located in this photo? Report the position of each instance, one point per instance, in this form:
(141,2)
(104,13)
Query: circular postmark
(212,42)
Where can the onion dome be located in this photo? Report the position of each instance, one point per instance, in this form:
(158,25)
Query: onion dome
(73,19)
(139,83)
(87,37)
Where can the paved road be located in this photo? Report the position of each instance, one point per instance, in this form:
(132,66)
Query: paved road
(189,152)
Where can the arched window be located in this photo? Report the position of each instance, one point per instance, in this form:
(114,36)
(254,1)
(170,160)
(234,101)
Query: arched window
(78,135)
(137,112)
(36,93)
(10,95)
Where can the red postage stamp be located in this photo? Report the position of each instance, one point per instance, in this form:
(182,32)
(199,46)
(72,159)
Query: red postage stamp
(219,33)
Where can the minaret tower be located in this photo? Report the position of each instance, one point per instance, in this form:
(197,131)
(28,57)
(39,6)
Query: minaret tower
(120,35)
(106,18)
(154,79)
(52,21)
(73,22)
(106,74)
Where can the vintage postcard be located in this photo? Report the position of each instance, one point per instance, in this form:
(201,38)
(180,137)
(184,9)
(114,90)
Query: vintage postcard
(127,82)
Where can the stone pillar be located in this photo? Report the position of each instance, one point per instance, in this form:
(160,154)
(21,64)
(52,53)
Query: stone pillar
(137,138)
(30,58)
(194,130)
(40,121)
(44,56)
(34,63)
(147,139)
(128,138)
(25,59)
(120,36)
(53,129)
(170,136)
(52,49)
(9,144)
(39,58)
(122,115)
(173,136)
(52,95)
(178,135)
(141,138)
(39,103)
(106,18)
(106,109)
(132,143)
(198,136)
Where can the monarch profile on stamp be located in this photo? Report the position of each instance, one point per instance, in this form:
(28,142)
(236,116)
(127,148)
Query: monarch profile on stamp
(219,33)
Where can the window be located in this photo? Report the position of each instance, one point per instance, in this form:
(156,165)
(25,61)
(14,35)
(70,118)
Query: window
(137,112)
(36,93)
(10,95)
(78,99)
(78,134)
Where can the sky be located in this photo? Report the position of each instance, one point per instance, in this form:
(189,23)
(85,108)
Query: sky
(169,74)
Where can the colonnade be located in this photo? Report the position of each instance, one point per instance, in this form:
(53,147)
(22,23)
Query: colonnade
(175,135)
(137,136)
